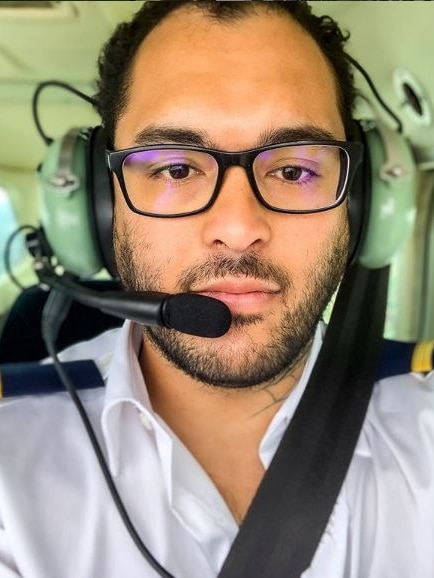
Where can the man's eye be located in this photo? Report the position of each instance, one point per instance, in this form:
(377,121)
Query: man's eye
(176,172)
(294,174)
(291,173)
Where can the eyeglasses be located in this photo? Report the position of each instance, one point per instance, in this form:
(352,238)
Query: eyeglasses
(176,181)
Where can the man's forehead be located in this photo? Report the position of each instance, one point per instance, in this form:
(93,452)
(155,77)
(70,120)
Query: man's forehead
(191,65)
(190,27)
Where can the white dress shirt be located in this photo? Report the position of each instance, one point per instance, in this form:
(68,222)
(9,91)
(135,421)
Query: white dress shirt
(57,519)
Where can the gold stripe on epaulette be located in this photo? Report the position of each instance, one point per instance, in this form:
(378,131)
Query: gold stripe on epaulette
(422,359)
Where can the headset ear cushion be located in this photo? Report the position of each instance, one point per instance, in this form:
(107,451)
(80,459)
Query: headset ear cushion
(359,199)
(100,189)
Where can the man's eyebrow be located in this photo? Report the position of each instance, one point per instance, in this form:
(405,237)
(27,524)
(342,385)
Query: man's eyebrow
(154,135)
(160,134)
(297,133)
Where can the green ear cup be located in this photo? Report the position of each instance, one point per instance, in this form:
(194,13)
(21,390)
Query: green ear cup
(392,210)
(66,217)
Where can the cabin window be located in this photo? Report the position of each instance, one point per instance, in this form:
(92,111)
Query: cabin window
(9,224)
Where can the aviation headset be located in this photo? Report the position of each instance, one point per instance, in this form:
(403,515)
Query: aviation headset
(77,199)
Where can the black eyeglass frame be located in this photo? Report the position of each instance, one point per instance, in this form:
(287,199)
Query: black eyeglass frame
(353,157)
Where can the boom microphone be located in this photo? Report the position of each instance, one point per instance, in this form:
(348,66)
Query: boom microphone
(186,312)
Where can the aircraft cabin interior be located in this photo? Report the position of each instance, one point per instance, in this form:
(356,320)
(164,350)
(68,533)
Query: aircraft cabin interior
(51,254)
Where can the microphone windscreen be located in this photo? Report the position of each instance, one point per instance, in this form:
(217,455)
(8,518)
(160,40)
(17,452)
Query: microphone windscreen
(196,315)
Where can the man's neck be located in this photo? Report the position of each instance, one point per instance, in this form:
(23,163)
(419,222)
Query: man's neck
(181,399)
(221,427)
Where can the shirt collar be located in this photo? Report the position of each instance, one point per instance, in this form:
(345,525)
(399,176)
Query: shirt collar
(124,384)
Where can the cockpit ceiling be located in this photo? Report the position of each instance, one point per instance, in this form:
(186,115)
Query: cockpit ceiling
(61,40)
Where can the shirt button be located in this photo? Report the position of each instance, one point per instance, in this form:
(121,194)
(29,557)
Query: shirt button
(146,422)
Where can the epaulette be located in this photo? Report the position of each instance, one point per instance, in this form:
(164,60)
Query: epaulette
(398,358)
(30,378)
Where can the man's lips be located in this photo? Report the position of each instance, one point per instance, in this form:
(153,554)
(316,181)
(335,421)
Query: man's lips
(241,295)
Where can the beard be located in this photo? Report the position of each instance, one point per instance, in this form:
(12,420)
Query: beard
(240,362)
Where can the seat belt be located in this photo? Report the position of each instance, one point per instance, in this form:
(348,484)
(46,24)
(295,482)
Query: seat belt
(295,499)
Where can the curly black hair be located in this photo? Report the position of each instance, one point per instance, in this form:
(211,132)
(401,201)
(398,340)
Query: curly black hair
(114,64)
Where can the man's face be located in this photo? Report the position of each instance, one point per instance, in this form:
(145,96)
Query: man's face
(233,85)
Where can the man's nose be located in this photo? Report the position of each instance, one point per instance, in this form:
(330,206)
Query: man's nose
(236,220)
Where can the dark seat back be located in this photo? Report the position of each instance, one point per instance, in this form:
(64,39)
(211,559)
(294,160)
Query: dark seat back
(21,339)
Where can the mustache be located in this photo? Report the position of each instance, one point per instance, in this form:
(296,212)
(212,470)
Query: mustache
(219,266)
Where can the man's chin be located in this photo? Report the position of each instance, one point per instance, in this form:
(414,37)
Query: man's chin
(234,361)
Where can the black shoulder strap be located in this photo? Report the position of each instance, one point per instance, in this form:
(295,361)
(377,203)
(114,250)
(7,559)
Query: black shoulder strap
(291,509)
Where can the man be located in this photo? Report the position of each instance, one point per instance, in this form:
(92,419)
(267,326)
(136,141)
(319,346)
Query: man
(189,425)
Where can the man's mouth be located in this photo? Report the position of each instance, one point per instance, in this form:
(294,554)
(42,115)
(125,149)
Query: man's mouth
(244,296)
